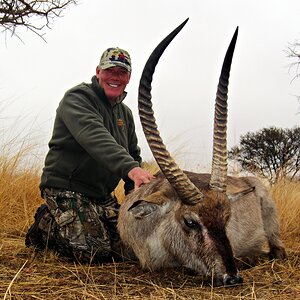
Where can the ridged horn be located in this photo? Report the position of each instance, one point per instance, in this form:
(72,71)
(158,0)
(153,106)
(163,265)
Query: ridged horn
(219,160)
(185,189)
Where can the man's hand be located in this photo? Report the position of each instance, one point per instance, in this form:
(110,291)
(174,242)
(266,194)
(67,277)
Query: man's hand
(139,176)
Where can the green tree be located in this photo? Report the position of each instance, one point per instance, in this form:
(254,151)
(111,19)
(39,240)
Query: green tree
(272,153)
(31,14)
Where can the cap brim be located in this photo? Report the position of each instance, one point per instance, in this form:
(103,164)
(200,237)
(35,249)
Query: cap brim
(115,64)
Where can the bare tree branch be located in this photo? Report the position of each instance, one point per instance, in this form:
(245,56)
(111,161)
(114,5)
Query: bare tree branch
(293,51)
(34,15)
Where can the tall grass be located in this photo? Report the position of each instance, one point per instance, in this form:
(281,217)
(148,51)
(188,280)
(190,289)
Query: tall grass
(286,194)
(19,193)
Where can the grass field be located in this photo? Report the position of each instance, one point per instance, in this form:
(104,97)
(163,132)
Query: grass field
(25,274)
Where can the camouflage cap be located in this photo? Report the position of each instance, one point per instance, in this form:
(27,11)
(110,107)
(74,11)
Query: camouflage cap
(113,57)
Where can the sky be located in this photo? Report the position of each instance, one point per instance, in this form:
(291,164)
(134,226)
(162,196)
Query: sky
(34,74)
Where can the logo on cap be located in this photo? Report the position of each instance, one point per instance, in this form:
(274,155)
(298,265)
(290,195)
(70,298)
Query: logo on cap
(113,57)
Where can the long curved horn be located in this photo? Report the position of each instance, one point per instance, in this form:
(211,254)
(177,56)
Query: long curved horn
(219,160)
(185,189)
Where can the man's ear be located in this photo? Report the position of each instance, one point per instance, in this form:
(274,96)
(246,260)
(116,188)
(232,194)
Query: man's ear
(129,76)
(97,71)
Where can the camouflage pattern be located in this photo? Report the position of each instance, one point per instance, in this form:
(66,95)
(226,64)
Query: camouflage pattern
(75,225)
(113,57)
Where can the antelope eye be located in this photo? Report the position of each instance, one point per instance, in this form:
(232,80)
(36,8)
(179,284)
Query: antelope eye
(191,223)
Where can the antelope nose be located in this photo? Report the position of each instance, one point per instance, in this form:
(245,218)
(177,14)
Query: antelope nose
(232,279)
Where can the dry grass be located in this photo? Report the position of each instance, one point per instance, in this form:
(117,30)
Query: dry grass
(287,197)
(19,195)
(25,274)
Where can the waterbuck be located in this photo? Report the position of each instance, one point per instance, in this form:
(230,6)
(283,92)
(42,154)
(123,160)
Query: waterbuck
(198,221)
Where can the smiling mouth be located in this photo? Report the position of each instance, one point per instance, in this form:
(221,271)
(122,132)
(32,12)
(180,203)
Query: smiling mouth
(113,85)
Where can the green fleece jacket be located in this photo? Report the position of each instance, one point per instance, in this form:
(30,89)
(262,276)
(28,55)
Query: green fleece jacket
(93,145)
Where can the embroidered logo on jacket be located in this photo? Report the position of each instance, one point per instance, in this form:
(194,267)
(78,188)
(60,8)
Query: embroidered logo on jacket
(120,122)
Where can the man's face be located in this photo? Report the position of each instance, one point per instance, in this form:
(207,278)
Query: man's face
(113,81)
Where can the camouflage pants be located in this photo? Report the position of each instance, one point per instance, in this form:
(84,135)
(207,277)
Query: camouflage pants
(75,225)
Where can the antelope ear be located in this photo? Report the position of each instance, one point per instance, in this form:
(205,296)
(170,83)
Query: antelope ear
(142,208)
(236,196)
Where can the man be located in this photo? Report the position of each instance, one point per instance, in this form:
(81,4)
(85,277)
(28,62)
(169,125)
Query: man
(93,146)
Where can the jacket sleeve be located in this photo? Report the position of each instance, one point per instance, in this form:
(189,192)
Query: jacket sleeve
(134,150)
(85,123)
